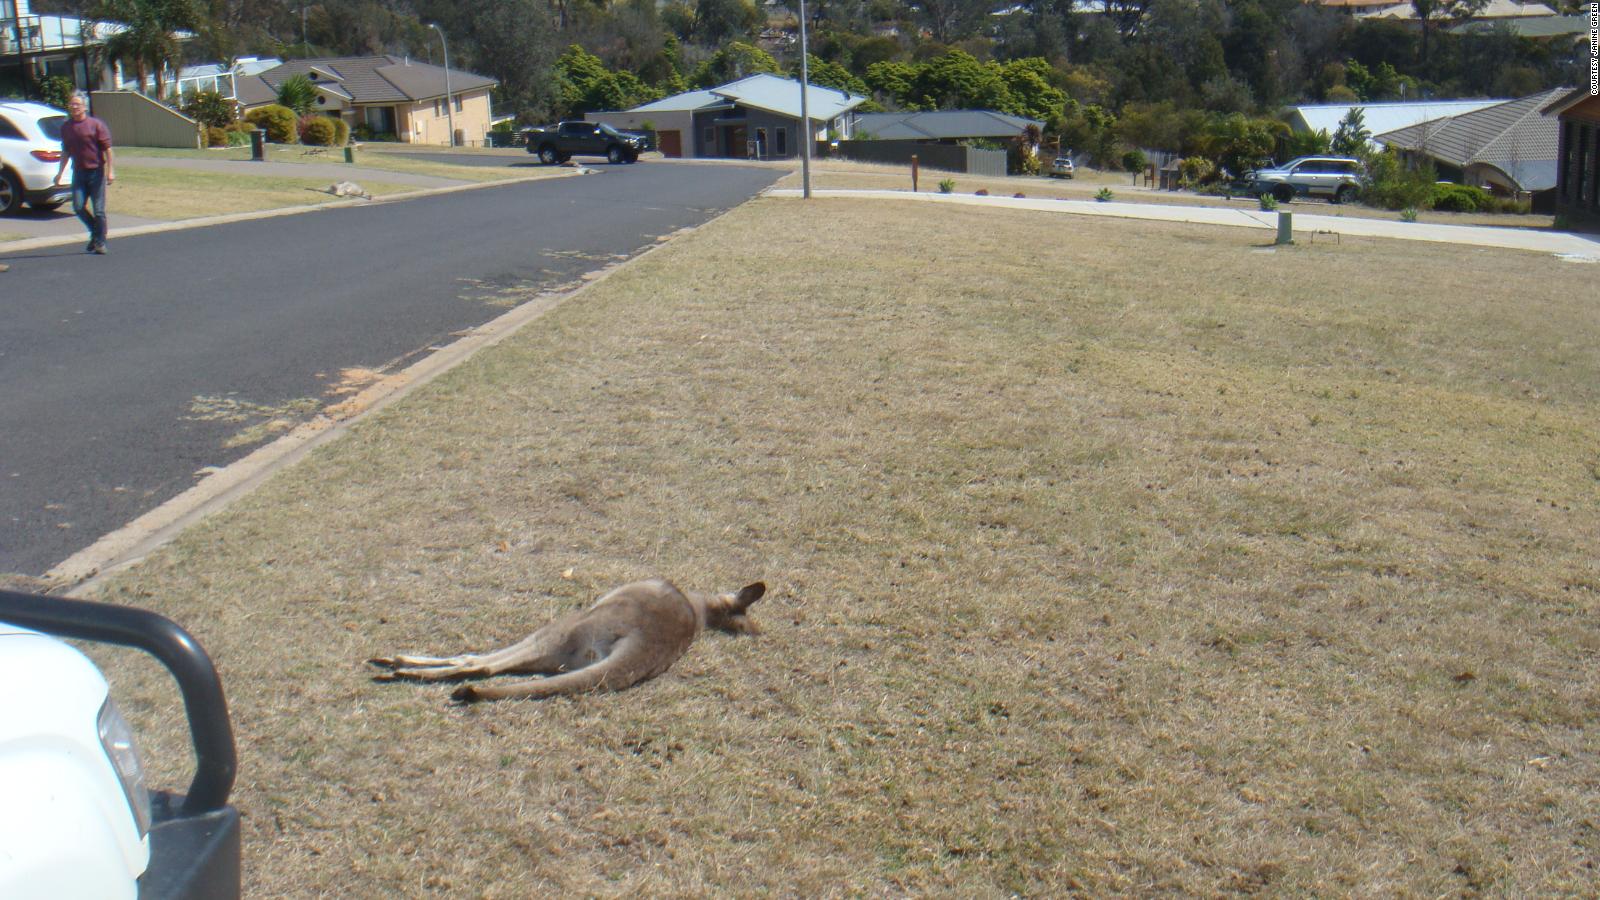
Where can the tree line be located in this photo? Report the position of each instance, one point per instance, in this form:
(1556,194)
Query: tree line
(1102,73)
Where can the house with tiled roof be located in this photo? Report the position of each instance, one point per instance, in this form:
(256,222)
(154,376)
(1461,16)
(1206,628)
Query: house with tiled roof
(943,126)
(1508,148)
(757,117)
(1577,157)
(386,95)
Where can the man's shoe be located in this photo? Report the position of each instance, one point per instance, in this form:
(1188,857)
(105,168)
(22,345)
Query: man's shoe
(89,247)
(99,249)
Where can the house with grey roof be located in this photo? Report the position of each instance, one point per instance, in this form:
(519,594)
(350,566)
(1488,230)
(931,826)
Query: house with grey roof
(947,126)
(1577,157)
(1379,118)
(386,95)
(757,117)
(1508,148)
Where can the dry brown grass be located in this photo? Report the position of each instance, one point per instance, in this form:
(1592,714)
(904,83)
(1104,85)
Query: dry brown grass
(1229,570)
(170,194)
(845,175)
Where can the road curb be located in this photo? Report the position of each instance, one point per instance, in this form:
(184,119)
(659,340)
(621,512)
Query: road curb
(85,572)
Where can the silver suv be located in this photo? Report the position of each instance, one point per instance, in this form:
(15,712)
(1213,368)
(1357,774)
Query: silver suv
(30,153)
(1337,178)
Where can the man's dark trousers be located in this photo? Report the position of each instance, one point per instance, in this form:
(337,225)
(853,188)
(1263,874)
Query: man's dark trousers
(89,186)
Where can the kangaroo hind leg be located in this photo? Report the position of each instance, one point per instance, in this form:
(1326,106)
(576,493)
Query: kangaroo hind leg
(536,653)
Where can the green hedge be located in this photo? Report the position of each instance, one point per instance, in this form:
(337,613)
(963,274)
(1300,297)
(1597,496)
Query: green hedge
(1460,198)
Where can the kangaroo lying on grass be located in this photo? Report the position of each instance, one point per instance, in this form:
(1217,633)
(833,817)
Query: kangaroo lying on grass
(631,634)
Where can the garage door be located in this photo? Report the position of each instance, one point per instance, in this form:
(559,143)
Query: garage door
(670,143)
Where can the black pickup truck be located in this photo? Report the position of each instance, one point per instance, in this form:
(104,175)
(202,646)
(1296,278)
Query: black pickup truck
(569,139)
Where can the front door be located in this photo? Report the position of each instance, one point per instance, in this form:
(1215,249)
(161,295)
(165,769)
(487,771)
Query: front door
(734,142)
(670,143)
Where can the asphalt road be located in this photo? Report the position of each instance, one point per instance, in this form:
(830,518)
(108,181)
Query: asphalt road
(126,375)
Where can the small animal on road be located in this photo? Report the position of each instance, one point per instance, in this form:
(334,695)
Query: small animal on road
(631,634)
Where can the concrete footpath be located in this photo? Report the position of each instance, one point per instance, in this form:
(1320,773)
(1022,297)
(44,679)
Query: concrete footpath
(1576,247)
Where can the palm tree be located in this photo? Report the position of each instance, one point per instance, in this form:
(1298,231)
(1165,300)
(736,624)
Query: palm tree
(149,39)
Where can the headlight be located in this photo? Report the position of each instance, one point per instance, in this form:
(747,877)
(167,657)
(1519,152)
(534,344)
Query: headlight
(117,739)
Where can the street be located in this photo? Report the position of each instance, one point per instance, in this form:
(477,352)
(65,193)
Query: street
(127,376)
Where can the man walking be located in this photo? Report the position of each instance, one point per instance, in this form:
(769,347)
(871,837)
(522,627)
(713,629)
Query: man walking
(86,144)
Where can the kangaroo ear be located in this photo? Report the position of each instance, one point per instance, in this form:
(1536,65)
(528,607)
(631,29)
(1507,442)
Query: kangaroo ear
(747,595)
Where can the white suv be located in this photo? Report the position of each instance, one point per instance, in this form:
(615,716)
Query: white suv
(76,818)
(1336,177)
(30,154)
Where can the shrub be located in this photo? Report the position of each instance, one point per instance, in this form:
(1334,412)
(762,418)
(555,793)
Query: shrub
(1104,195)
(215,137)
(341,132)
(947,186)
(318,131)
(1460,198)
(1269,203)
(56,91)
(981,192)
(297,93)
(1409,214)
(211,109)
(277,121)
(1195,170)
(1134,161)
(1508,206)
(1393,185)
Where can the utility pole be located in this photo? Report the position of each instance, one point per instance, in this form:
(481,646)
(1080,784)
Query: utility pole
(807,135)
(449,108)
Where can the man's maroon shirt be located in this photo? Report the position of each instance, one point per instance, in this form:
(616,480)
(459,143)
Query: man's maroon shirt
(86,142)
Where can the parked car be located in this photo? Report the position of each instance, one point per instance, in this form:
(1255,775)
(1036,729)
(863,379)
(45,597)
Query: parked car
(1061,167)
(77,819)
(30,153)
(569,139)
(1337,178)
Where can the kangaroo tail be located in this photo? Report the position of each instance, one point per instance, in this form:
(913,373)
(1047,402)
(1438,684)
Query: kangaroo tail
(605,675)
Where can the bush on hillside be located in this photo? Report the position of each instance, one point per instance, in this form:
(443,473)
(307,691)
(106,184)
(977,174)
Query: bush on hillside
(277,121)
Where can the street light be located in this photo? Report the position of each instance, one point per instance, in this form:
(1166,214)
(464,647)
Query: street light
(449,108)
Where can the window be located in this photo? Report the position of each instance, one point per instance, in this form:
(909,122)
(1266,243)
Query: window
(8,130)
(458,103)
(780,145)
(709,139)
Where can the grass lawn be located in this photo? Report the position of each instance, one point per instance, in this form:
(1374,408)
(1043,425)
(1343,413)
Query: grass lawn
(1159,563)
(367,156)
(182,194)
